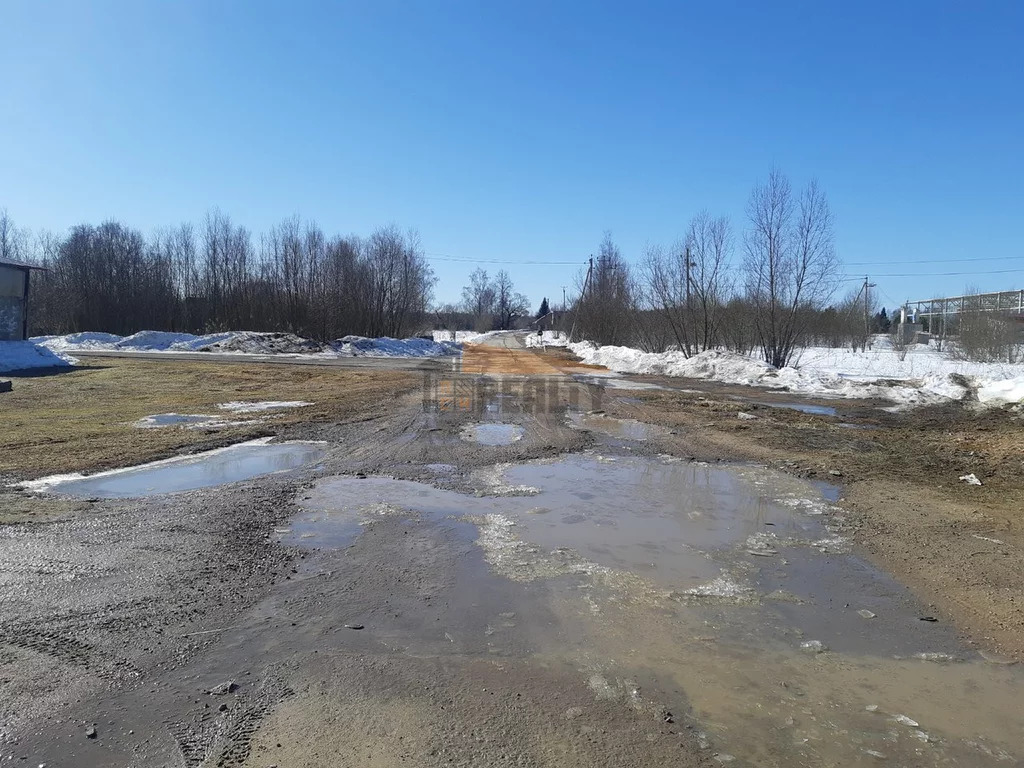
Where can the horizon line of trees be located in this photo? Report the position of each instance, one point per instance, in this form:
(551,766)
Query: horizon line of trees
(216,277)
(769,291)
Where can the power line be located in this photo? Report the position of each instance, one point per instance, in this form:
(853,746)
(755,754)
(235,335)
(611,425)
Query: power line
(939,274)
(936,261)
(528,262)
(889,298)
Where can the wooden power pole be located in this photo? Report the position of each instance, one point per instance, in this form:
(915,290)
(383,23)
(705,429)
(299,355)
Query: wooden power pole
(576,314)
(867,304)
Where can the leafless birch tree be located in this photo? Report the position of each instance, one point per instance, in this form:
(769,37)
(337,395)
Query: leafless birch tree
(790,265)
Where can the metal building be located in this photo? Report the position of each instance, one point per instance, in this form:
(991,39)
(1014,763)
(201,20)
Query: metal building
(14,284)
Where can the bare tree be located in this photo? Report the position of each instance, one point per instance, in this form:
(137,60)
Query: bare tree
(508,304)
(13,241)
(606,309)
(898,341)
(688,286)
(478,299)
(790,264)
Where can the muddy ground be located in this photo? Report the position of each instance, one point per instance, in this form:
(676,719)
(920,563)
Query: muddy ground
(960,546)
(266,622)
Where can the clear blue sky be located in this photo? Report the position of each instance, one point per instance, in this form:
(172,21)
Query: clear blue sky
(520,131)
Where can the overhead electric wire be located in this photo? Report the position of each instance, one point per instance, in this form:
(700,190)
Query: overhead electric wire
(844,278)
(936,274)
(528,262)
(936,261)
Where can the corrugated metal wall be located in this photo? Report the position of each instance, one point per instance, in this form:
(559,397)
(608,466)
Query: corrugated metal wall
(12,303)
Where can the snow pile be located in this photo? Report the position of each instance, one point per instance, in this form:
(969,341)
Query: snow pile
(85,340)
(472,337)
(462,337)
(154,341)
(248,343)
(360,346)
(1001,392)
(925,375)
(715,364)
(27,355)
(547,339)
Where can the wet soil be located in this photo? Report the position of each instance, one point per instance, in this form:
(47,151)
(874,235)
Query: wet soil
(587,594)
(960,547)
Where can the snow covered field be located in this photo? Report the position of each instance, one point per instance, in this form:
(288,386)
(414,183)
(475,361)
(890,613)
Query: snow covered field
(925,375)
(248,343)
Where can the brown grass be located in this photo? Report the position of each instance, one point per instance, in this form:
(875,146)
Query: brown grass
(82,420)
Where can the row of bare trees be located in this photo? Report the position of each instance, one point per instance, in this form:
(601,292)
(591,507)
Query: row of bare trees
(700,294)
(216,277)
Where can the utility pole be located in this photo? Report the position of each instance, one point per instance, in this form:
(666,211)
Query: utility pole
(579,301)
(686,256)
(563,298)
(689,304)
(867,320)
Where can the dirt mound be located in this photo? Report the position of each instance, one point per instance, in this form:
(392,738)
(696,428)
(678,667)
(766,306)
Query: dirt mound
(265,343)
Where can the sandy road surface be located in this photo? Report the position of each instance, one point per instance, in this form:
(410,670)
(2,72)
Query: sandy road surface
(509,565)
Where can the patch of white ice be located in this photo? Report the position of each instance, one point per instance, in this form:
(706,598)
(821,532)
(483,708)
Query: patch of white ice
(240,406)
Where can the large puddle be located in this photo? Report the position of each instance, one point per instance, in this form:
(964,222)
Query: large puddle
(224,465)
(728,583)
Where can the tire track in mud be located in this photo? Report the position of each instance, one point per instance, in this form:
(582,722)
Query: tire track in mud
(69,649)
(224,739)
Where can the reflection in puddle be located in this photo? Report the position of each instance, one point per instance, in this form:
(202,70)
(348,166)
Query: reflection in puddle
(193,420)
(676,523)
(625,429)
(726,583)
(224,465)
(492,434)
(816,410)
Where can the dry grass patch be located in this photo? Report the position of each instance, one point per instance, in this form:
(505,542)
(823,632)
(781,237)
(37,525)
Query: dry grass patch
(82,420)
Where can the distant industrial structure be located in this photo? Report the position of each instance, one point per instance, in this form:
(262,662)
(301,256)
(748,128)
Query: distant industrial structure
(14,285)
(941,317)
(1009,302)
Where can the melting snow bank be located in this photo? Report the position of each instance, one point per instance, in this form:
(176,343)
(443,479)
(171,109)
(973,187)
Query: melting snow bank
(1000,392)
(388,347)
(28,355)
(924,376)
(248,343)
(467,337)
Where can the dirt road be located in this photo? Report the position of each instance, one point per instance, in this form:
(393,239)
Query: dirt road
(519,562)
